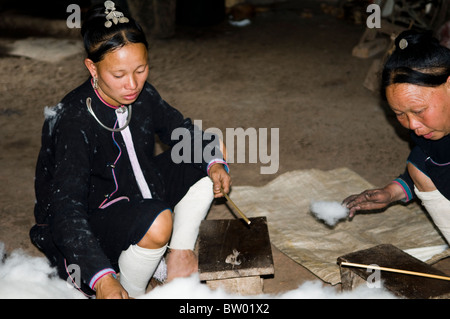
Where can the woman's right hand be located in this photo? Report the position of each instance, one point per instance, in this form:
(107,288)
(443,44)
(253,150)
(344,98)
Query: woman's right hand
(373,199)
(109,287)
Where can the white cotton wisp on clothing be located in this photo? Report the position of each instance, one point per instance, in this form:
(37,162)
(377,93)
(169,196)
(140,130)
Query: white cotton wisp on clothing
(328,211)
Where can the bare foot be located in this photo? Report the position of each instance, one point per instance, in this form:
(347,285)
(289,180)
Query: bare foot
(181,263)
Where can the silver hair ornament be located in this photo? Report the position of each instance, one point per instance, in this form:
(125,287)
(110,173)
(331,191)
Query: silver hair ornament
(113,16)
(403,44)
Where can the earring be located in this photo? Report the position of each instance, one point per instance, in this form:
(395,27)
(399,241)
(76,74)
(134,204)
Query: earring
(95,84)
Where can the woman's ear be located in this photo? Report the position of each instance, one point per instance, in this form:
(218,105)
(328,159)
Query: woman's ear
(90,65)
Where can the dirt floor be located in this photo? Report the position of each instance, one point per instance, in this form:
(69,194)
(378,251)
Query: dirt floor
(292,68)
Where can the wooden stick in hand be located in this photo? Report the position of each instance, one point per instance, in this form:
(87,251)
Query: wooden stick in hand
(238,210)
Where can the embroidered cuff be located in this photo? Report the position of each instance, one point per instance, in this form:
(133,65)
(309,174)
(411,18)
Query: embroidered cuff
(218,161)
(99,275)
(405,188)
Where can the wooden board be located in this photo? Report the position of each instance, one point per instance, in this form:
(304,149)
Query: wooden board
(218,239)
(244,286)
(402,285)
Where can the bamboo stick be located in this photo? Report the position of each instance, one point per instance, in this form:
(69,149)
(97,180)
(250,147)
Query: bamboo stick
(238,210)
(401,271)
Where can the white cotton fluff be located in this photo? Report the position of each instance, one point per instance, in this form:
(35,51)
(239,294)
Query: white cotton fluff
(51,115)
(26,277)
(328,211)
(192,288)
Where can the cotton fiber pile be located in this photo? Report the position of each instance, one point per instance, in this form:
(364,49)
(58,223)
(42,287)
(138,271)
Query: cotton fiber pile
(328,211)
(191,288)
(26,277)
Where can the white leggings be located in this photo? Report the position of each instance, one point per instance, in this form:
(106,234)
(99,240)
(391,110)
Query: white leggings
(439,209)
(137,264)
(189,213)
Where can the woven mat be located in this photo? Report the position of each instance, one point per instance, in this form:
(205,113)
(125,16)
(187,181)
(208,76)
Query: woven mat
(285,202)
(45,49)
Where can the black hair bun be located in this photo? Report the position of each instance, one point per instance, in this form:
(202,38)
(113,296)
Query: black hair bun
(413,38)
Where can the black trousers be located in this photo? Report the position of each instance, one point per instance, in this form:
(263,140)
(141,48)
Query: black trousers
(124,223)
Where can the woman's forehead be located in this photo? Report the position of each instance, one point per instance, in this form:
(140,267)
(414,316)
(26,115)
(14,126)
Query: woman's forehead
(131,54)
(405,94)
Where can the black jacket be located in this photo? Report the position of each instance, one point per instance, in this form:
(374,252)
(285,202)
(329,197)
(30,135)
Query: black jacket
(73,173)
(433,159)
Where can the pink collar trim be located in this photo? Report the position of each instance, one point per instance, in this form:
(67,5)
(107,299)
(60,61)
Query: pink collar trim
(101,99)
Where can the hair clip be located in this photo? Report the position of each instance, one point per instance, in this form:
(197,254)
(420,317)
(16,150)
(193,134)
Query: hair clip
(403,44)
(112,15)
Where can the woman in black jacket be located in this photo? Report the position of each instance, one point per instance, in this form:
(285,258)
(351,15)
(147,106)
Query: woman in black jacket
(104,202)
(416,84)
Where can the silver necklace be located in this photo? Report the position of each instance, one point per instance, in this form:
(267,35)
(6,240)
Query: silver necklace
(121,109)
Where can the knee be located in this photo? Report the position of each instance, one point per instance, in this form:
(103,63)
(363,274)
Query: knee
(202,190)
(159,232)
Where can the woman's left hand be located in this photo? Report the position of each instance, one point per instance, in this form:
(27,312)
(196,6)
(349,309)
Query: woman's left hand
(220,179)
